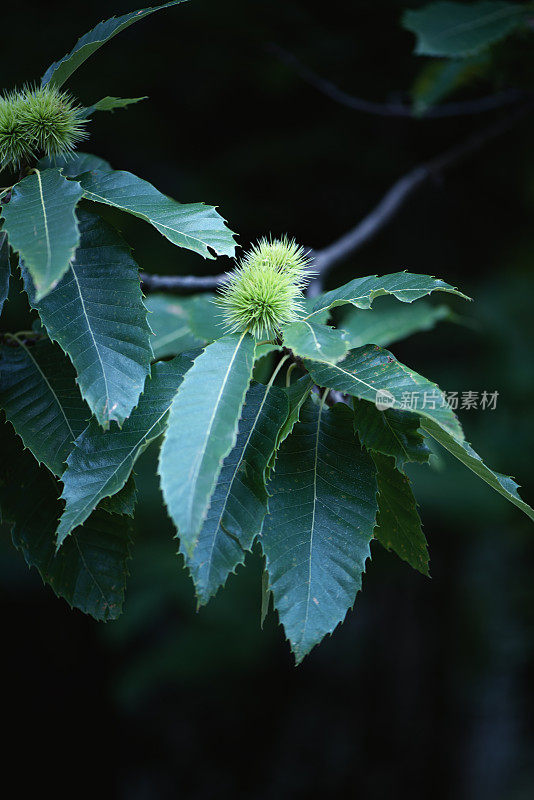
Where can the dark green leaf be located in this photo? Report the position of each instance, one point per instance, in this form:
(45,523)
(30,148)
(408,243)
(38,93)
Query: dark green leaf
(398,526)
(317,534)
(76,164)
(101,462)
(441,77)
(111,104)
(390,432)
(202,431)
(5,269)
(90,570)
(96,313)
(297,394)
(239,502)
(373,374)
(205,317)
(265,597)
(41,225)
(311,339)
(39,395)
(60,71)
(460,29)
(195,226)
(389,321)
(502,484)
(361,292)
(124,502)
(169,318)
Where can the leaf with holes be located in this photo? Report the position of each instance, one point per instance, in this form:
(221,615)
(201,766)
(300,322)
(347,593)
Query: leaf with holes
(41,226)
(398,526)
(202,431)
(195,226)
(239,501)
(101,462)
(96,313)
(361,292)
(321,518)
(39,395)
(391,432)
(60,71)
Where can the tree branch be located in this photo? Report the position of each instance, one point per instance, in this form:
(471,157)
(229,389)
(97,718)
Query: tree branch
(181,283)
(396,109)
(325,259)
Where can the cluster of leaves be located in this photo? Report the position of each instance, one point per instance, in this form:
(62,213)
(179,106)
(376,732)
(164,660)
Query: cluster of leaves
(460,37)
(242,460)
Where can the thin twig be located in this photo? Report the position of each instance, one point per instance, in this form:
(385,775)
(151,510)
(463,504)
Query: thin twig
(328,257)
(401,190)
(395,109)
(181,283)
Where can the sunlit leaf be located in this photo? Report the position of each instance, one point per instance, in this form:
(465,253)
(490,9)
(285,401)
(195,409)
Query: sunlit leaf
(202,431)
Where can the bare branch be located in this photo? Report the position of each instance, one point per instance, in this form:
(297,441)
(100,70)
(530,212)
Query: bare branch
(396,109)
(181,283)
(324,260)
(396,196)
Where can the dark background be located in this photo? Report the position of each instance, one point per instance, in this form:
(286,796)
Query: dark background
(427,690)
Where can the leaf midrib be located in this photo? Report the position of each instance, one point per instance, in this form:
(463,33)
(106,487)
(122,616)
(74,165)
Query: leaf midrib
(108,202)
(89,327)
(56,398)
(201,454)
(132,450)
(45,220)
(312,527)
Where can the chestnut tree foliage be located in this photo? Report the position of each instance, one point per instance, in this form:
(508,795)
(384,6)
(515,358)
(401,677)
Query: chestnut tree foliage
(296,443)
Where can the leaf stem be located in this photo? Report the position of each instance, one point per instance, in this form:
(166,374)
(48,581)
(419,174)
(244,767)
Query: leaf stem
(289,371)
